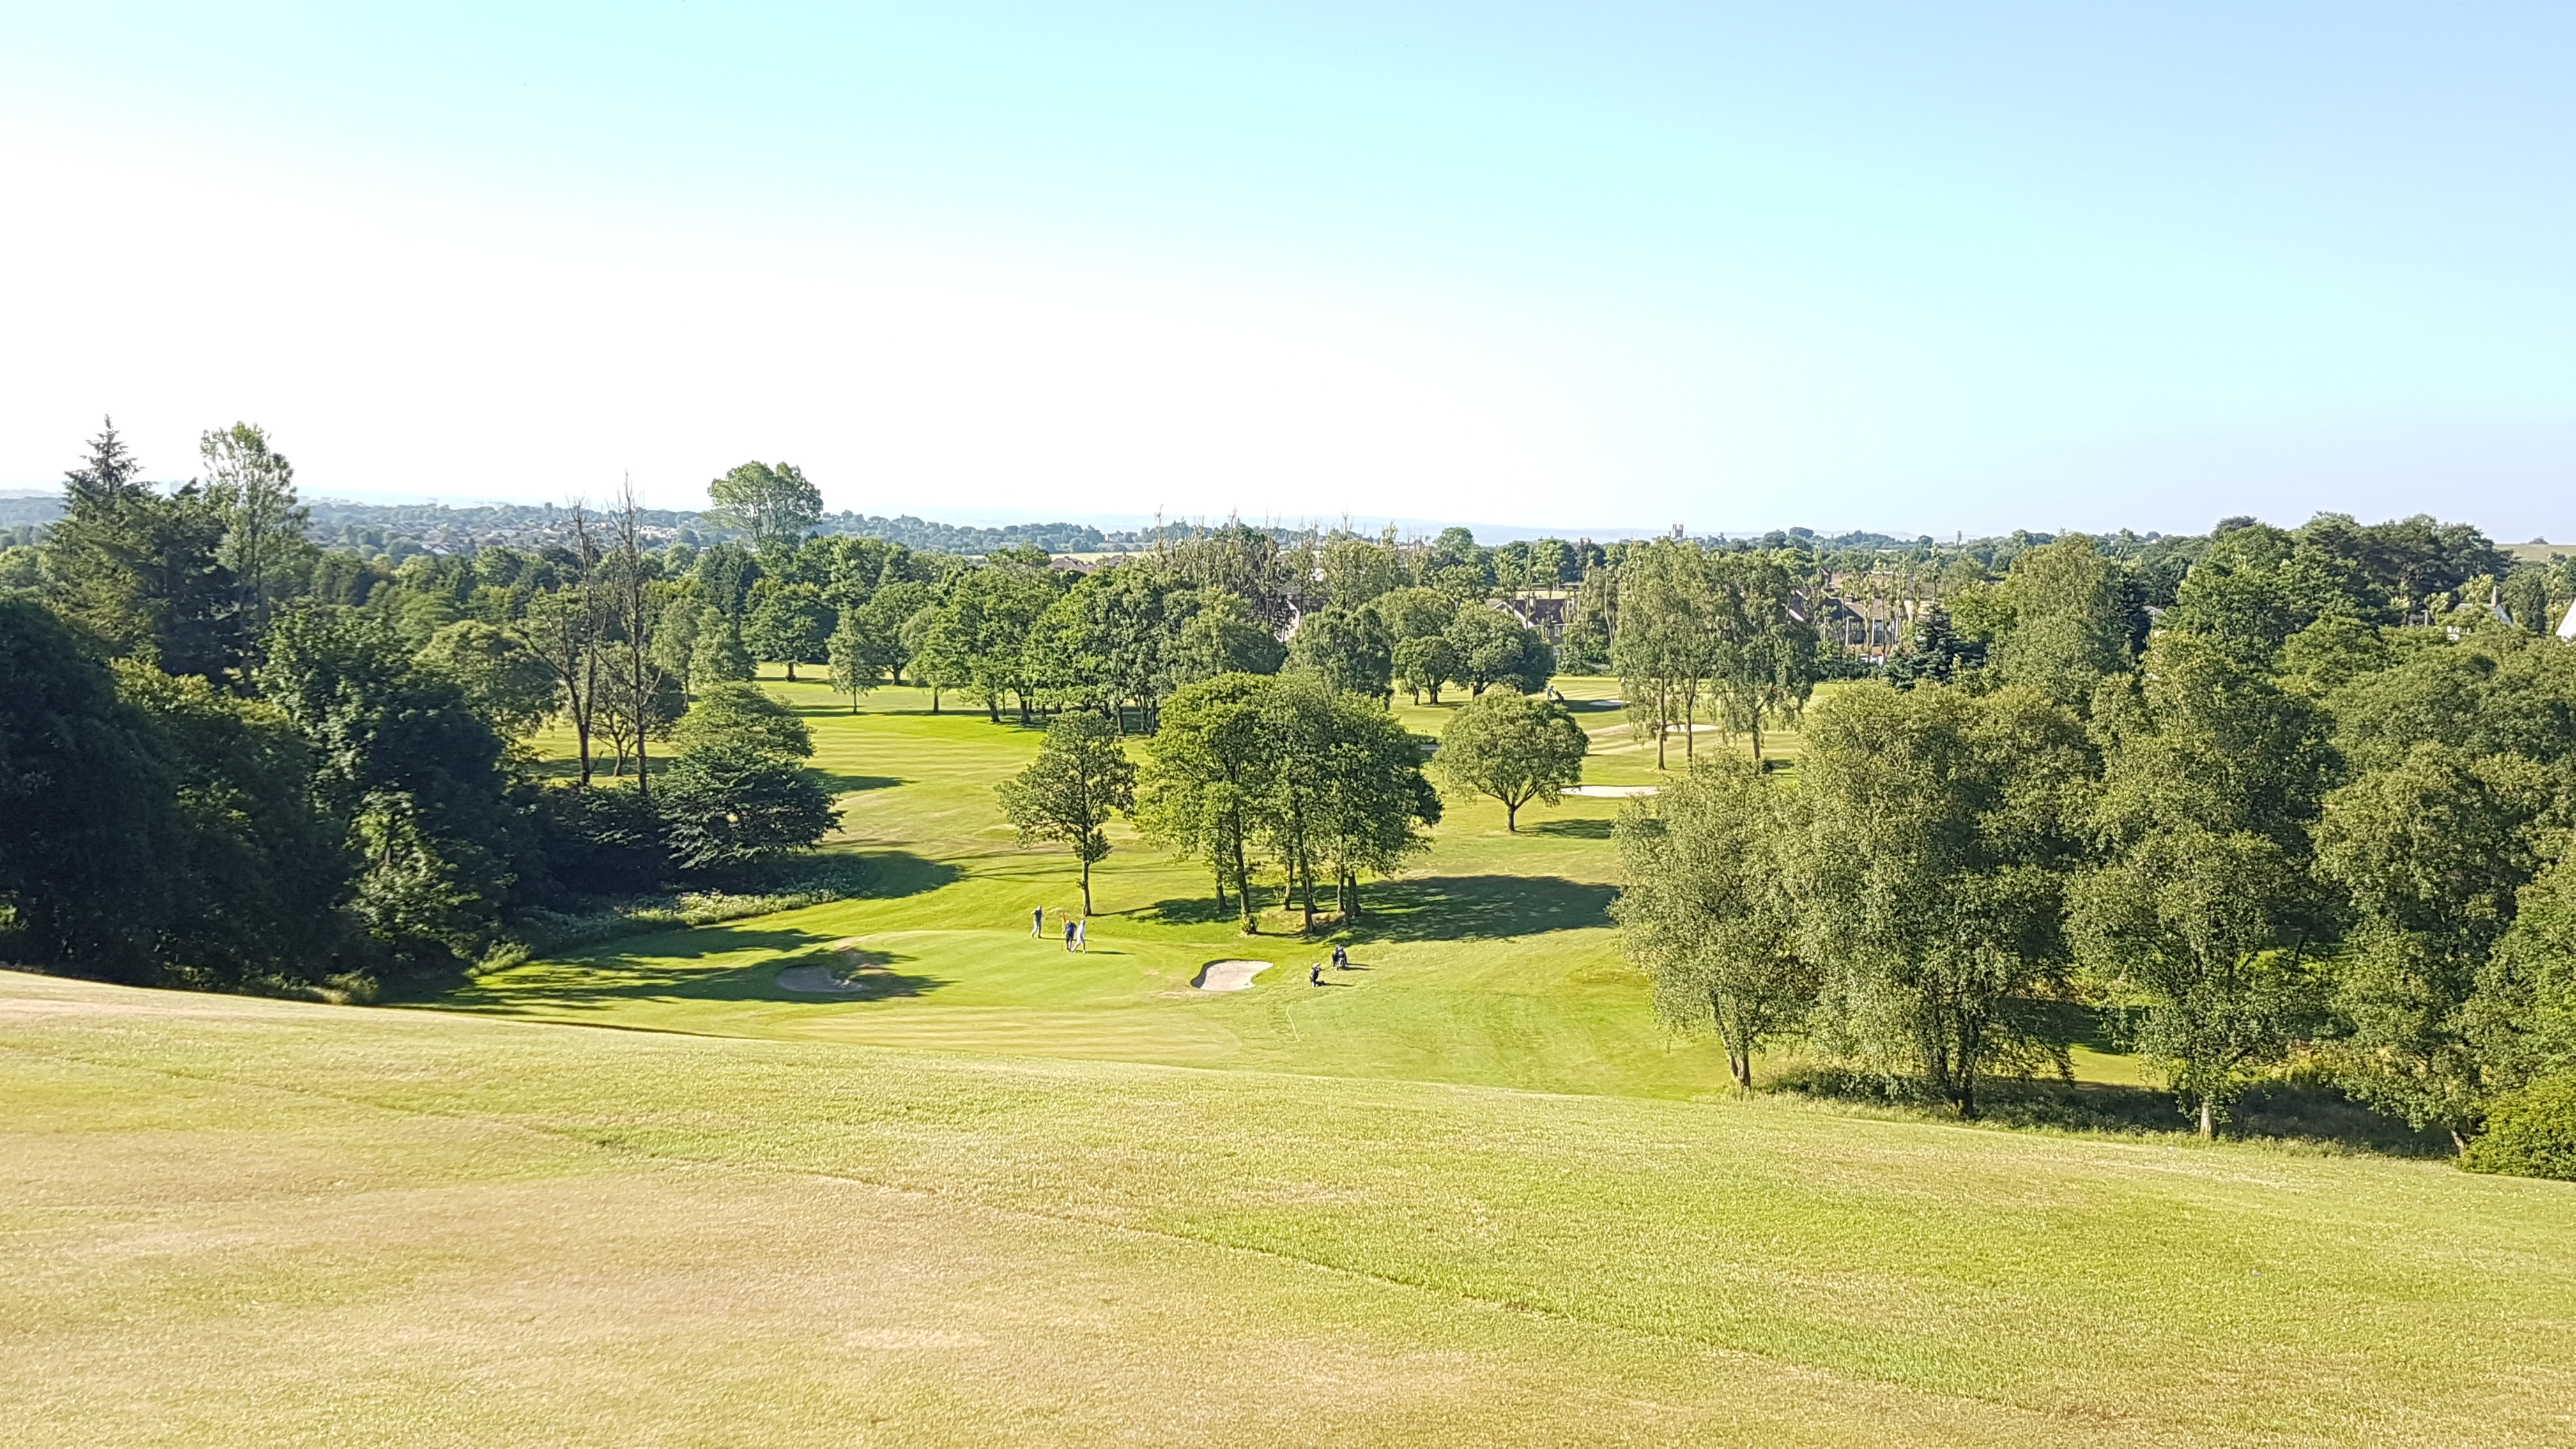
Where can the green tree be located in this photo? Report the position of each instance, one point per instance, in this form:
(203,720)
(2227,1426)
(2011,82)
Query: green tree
(1934,653)
(936,641)
(252,486)
(675,638)
(738,713)
(854,667)
(563,631)
(414,773)
(1219,636)
(1209,773)
(1514,747)
(1490,647)
(143,570)
(1705,911)
(729,803)
(1358,570)
(882,619)
(1423,664)
(770,501)
(256,866)
(2431,852)
(717,655)
(1345,651)
(85,832)
(1413,613)
(2202,898)
(1763,659)
(788,623)
(1081,776)
(1372,799)
(1940,830)
(2071,621)
(506,685)
(1664,642)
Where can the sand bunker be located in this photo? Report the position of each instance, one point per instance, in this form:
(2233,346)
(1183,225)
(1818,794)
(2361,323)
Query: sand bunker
(855,974)
(1229,975)
(1609,792)
(820,981)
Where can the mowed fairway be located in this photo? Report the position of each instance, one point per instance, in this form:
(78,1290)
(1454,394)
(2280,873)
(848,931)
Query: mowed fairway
(243,1222)
(1469,1194)
(1492,960)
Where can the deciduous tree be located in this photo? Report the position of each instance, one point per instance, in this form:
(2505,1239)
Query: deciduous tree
(1706,910)
(1079,780)
(1514,747)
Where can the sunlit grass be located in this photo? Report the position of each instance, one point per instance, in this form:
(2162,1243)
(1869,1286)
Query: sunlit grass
(248,1222)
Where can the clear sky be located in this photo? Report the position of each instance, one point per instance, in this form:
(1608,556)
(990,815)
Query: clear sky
(1901,266)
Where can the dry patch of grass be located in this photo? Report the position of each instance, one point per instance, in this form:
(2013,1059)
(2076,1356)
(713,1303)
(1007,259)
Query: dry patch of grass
(254,1222)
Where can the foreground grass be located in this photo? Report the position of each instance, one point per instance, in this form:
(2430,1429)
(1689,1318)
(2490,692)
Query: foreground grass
(248,1222)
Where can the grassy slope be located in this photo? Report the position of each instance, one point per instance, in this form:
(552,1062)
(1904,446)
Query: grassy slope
(233,1221)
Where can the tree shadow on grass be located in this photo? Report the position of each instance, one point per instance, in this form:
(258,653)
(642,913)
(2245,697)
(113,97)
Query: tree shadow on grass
(1479,907)
(667,967)
(894,874)
(840,784)
(1575,827)
(1184,911)
(2304,1114)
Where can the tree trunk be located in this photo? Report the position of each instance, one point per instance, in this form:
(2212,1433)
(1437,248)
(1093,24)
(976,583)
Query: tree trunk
(791,671)
(2208,1116)
(1086,887)
(1511,817)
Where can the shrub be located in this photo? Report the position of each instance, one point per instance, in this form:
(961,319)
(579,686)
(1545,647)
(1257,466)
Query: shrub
(603,841)
(2530,1133)
(730,805)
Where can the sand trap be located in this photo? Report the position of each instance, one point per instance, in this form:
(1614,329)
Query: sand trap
(1610,792)
(1229,975)
(823,981)
(819,981)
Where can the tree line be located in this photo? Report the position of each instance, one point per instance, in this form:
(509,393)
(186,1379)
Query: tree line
(2313,816)
(219,768)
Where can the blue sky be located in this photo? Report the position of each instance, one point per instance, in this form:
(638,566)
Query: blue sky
(1892,266)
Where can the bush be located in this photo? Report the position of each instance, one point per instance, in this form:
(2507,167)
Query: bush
(2530,1133)
(731,805)
(603,841)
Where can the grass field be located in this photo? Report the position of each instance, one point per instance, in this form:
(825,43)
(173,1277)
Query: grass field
(234,1221)
(1474,1196)
(1492,961)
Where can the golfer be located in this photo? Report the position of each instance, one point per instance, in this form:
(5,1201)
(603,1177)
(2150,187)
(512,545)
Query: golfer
(1037,921)
(1082,937)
